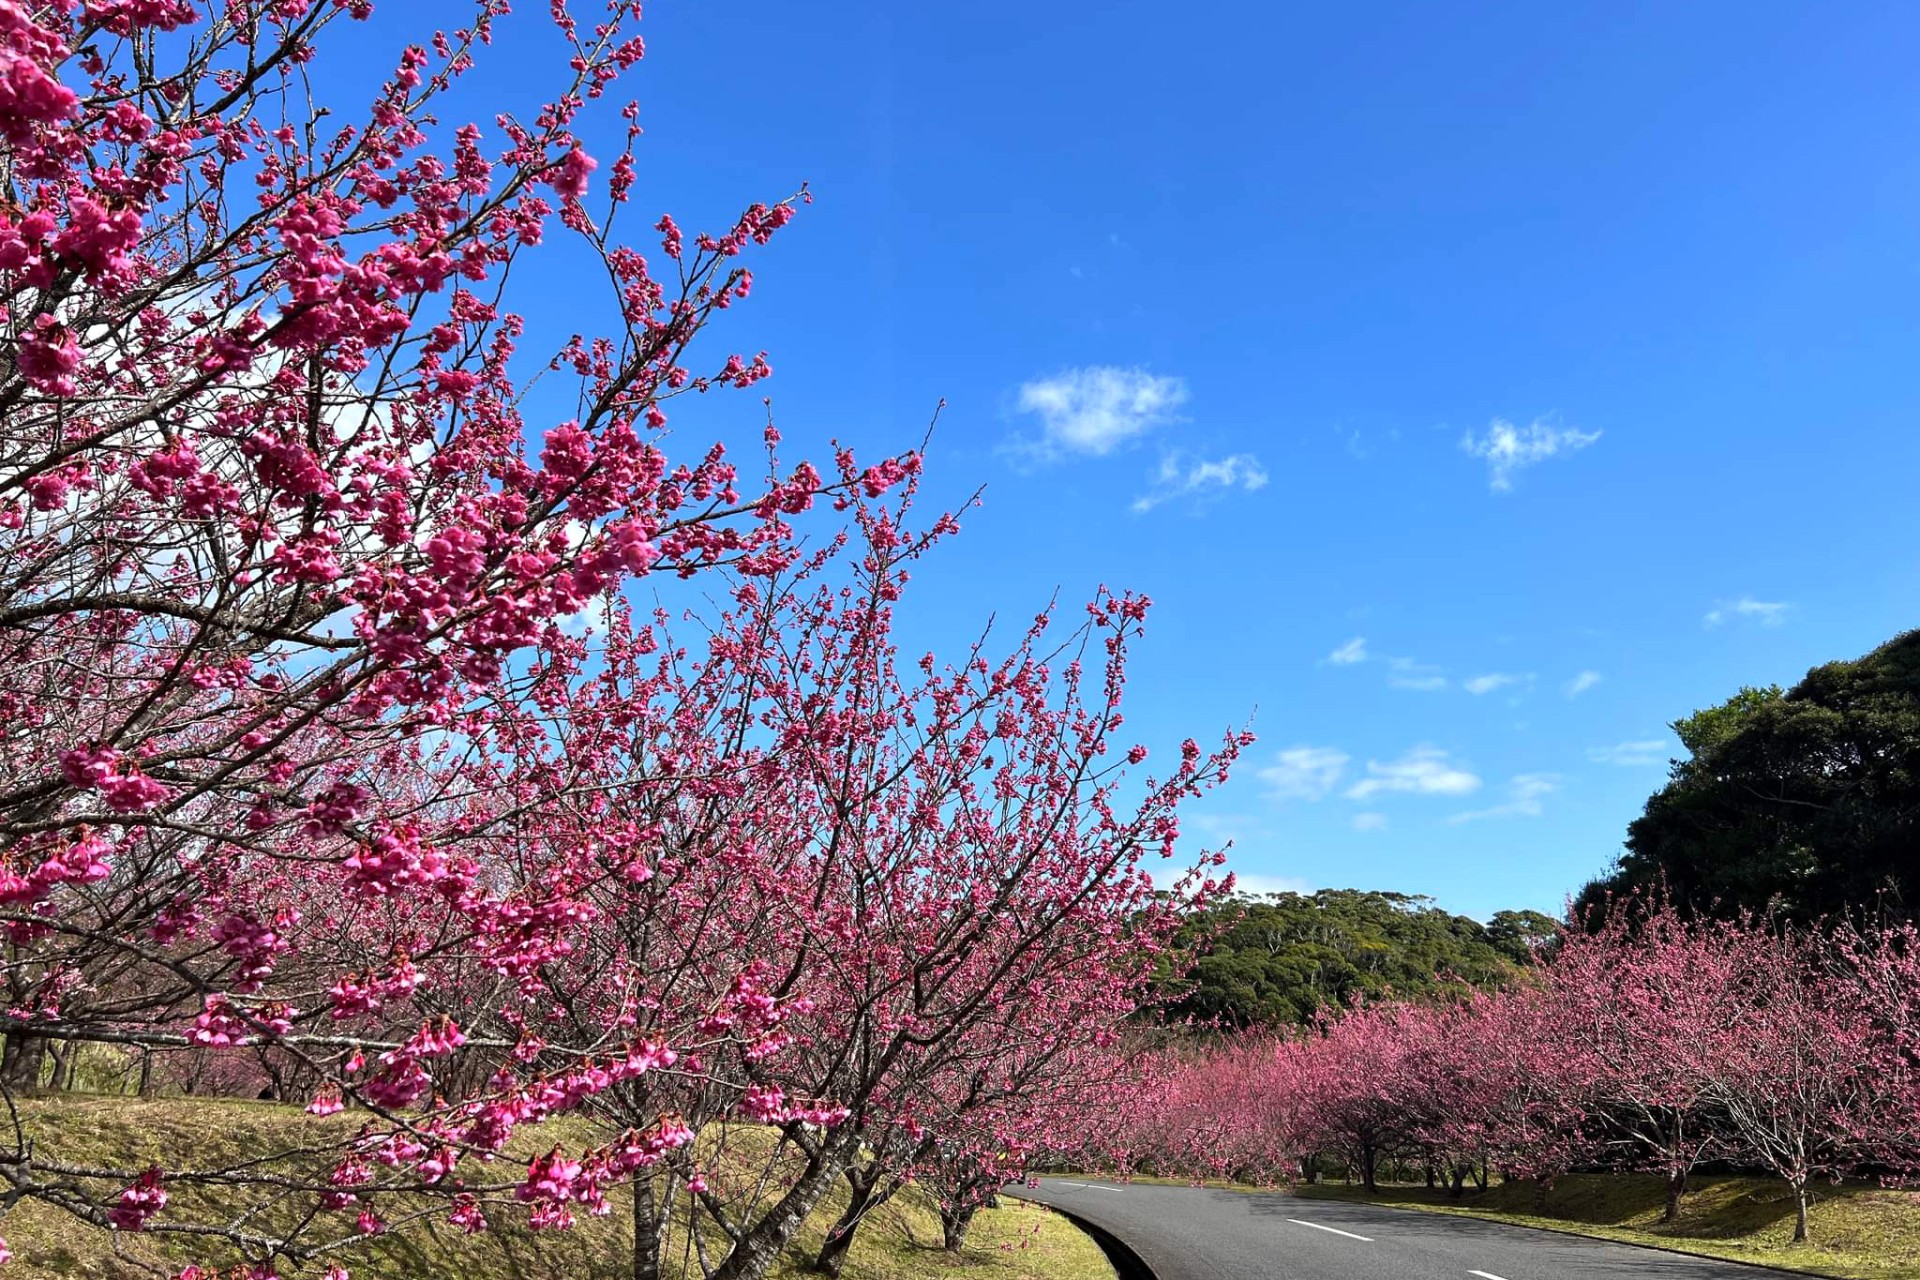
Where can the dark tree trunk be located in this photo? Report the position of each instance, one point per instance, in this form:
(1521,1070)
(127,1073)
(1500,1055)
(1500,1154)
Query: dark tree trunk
(1310,1169)
(1458,1186)
(1368,1156)
(1676,1187)
(953,1226)
(757,1248)
(1429,1177)
(20,1062)
(864,1192)
(649,1227)
(63,1056)
(1800,1212)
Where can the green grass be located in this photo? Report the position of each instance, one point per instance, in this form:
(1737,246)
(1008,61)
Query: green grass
(1857,1232)
(901,1241)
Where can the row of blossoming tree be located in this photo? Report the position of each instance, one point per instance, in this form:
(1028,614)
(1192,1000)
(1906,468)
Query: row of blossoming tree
(339,766)
(1654,1044)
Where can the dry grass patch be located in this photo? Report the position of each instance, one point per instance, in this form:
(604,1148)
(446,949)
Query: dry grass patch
(901,1242)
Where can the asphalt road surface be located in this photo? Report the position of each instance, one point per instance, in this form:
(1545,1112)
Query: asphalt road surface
(1194,1233)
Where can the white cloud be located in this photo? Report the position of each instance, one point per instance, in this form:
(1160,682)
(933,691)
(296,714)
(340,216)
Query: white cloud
(1354,650)
(1524,795)
(1201,478)
(1305,773)
(1095,410)
(1644,752)
(1261,885)
(1768,613)
(1508,449)
(1420,676)
(1582,682)
(1422,771)
(1369,822)
(1492,681)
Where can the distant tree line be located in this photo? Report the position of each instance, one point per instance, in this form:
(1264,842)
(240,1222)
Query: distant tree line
(1282,958)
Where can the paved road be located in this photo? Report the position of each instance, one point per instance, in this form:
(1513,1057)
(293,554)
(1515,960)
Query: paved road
(1193,1233)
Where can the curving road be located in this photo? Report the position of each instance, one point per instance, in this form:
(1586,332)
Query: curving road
(1194,1233)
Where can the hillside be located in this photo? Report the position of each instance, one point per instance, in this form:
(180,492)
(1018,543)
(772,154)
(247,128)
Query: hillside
(1279,959)
(902,1242)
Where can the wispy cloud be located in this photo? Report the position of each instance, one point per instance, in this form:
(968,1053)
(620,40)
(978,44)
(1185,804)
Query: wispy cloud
(1581,683)
(1508,450)
(1524,796)
(1201,478)
(1305,773)
(1644,752)
(1423,677)
(1369,822)
(1426,771)
(1094,410)
(1768,613)
(1493,681)
(1354,650)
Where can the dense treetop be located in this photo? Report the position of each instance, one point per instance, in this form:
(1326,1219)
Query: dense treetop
(1281,958)
(1805,801)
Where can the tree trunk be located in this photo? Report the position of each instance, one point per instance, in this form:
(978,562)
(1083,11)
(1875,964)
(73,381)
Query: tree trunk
(649,1218)
(146,1073)
(20,1062)
(1800,1212)
(953,1226)
(863,1185)
(1310,1169)
(62,1078)
(1367,1158)
(1429,1176)
(1676,1188)
(1458,1186)
(757,1248)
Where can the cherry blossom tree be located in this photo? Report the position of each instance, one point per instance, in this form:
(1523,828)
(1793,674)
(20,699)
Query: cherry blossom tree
(1800,1076)
(939,871)
(1880,970)
(1654,1042)
(1637,1007)
(290,547)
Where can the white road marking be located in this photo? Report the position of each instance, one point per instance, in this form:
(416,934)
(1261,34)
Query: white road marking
(1337,1231)
(1088,1186)
(1484,1275)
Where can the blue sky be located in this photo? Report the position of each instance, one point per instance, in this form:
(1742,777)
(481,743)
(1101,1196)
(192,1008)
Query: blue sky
(1474,388)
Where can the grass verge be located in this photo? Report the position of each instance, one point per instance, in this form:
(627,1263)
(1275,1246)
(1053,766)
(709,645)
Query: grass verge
(900,1242)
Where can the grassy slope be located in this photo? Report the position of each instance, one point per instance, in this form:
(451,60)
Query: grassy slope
(1859,1233)
(901,1242)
